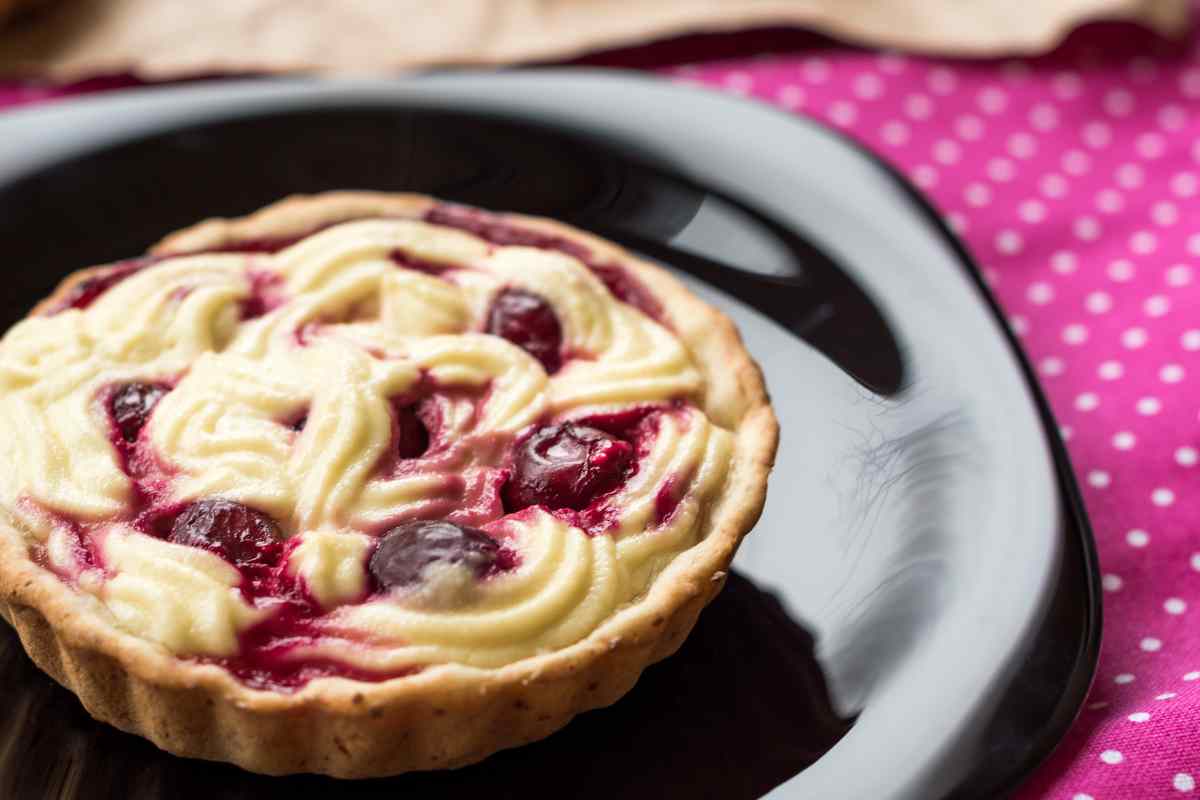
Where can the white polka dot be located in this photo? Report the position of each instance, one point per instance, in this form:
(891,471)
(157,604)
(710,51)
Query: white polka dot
(1053,185)
(1112,757)
(1193,244)
(1109,201)
(1150,145)
(1087,228)
(1040,293)
(868,86)
(958,224)
(1119,102)
(1139,716)
(1032,211)
(1172,117)
(924,176)
(1179,275)
(1076,162)
(1143,242)
(942,80)
(1189,83)
(1066,85)
(1088,401)
(1112,583)
(1052,365)
(894,132)
(1066,432)
(1137,538)
(1164,214)
(1187,456)
(1185,184)
(969,127)
(1171,373)
(1190,340)
(1009,242)
(1022,145)
(843,112)
(918,106)
(1134,338)
(992,100)
(1043,117)
(1063,262)
(1164,696)
(1174,605)
(977,194)
(792,96)
(1001,170)
(1157,305)
(1110,370)
(1150,644)
(1097,134)
(1075,333)
(815,70)
(740,82)
(1099,479)
(1019,325)
(1123,678)
(1098,302)
(1129,176)
(1162,497)
(1082,796)
(1148,406)
(1191,676)
(1183,782)
(1195,562)
(1121,270)
(1124,440)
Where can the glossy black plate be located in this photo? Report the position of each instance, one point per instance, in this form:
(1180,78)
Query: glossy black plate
(885,450)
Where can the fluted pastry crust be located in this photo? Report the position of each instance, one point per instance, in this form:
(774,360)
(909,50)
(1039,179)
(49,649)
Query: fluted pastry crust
(448,714)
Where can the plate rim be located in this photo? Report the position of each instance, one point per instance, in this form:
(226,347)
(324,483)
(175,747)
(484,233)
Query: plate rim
(1067,486)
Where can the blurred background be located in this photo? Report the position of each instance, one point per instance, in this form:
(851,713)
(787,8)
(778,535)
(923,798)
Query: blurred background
(1060,139)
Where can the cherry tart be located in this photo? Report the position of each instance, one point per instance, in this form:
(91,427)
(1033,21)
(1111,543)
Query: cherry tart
(365,483)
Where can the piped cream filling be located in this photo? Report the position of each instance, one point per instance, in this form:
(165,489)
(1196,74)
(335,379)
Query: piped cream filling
(354,331)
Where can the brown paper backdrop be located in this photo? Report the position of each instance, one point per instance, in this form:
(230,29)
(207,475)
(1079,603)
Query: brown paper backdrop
(174,38)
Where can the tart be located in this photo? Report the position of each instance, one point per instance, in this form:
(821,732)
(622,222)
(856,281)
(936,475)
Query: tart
(367,483)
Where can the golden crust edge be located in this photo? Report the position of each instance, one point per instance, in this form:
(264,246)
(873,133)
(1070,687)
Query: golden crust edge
(445,716)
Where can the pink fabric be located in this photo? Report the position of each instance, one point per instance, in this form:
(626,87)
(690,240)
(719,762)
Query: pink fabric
(1075,180)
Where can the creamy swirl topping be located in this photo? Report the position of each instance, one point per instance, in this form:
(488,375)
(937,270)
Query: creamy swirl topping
(326,394)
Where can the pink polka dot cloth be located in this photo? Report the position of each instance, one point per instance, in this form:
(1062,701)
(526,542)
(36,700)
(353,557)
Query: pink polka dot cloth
(1074,178)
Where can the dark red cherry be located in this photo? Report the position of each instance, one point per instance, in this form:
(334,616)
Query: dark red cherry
(405,551)
(412,438)
(243,536)
(86,291)
(527,321)
(130,405)
(566,466)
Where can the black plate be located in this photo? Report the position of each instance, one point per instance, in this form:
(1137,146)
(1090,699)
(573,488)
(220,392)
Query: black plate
(744,706)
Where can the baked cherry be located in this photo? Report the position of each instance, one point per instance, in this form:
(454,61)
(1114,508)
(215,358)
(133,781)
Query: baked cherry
(530,323)
(412,438)
(86,291)
(566,466)
(243,536)
(404,552)
(130,405)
